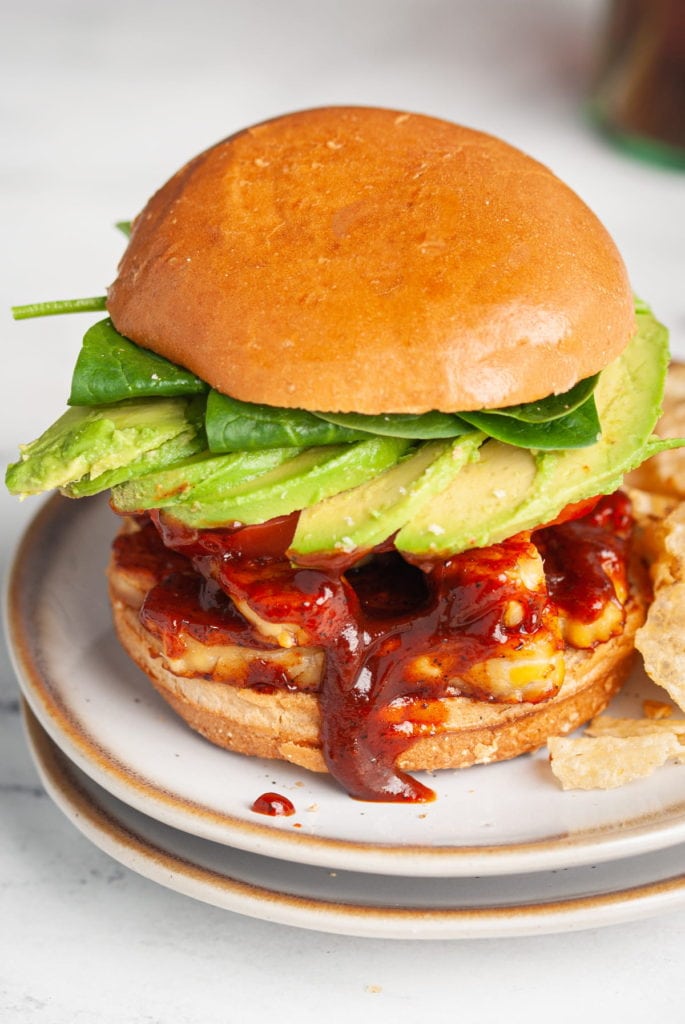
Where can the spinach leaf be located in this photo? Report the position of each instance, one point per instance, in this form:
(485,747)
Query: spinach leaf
(420,427)
(439,424)
(578,429)
(233,426)
(553,407)
(111,368)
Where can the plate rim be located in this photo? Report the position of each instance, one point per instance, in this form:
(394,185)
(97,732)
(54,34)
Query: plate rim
(101,825)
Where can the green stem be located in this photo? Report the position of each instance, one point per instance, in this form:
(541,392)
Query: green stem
(91,305)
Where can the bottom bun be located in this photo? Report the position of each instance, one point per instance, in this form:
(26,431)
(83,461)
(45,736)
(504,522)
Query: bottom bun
(286,724)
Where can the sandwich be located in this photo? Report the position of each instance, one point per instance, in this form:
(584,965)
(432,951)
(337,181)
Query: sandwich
(364,398)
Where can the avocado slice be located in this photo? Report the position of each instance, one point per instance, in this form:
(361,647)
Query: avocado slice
(476,501)
(204,477)
(365,515)
(89,442)
(309,477)
(510,490)
(154,461)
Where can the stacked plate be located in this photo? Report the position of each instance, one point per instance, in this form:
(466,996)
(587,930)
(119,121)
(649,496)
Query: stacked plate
(502,851)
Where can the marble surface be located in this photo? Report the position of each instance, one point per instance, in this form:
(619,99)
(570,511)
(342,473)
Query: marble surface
(99,104)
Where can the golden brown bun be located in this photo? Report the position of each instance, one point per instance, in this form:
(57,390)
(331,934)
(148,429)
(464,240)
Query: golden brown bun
(355,259)
(285,725)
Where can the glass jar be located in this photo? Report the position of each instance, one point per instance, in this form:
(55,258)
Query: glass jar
(638,95)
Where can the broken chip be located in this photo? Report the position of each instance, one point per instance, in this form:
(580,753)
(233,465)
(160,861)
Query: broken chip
(661,640)
(607,762)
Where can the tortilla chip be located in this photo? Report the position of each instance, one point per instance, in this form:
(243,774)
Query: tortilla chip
(615,751)
(607,762)
(605,725)
(650,509)
(656,709)
(661,640)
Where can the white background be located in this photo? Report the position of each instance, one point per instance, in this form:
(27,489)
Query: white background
(100,103)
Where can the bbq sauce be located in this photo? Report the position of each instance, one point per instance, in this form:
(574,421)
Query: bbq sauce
(586,558)
(397,637)
(143,551)
(274,805)
(187,603)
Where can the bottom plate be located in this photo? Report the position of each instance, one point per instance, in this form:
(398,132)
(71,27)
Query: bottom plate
(354,903)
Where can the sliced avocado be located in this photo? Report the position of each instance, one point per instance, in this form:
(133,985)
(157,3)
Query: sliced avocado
(309,477)
(178,449)
(510,490)
(205,476)
(475,499)
(90,442)
(365,515)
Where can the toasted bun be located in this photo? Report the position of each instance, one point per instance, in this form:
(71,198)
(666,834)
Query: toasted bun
(286,725)
(355,259)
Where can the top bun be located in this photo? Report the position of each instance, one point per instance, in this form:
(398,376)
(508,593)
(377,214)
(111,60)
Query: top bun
(350,259)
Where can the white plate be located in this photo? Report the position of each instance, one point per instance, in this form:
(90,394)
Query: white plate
(497,819)
(357,904)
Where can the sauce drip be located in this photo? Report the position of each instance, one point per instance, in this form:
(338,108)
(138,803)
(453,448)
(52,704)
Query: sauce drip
(274,805)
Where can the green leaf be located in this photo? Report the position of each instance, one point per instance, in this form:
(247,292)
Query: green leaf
(245,426)
(124,226)
(553,407)
(431,425)
(110,368)
(424,427)
(578,429)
